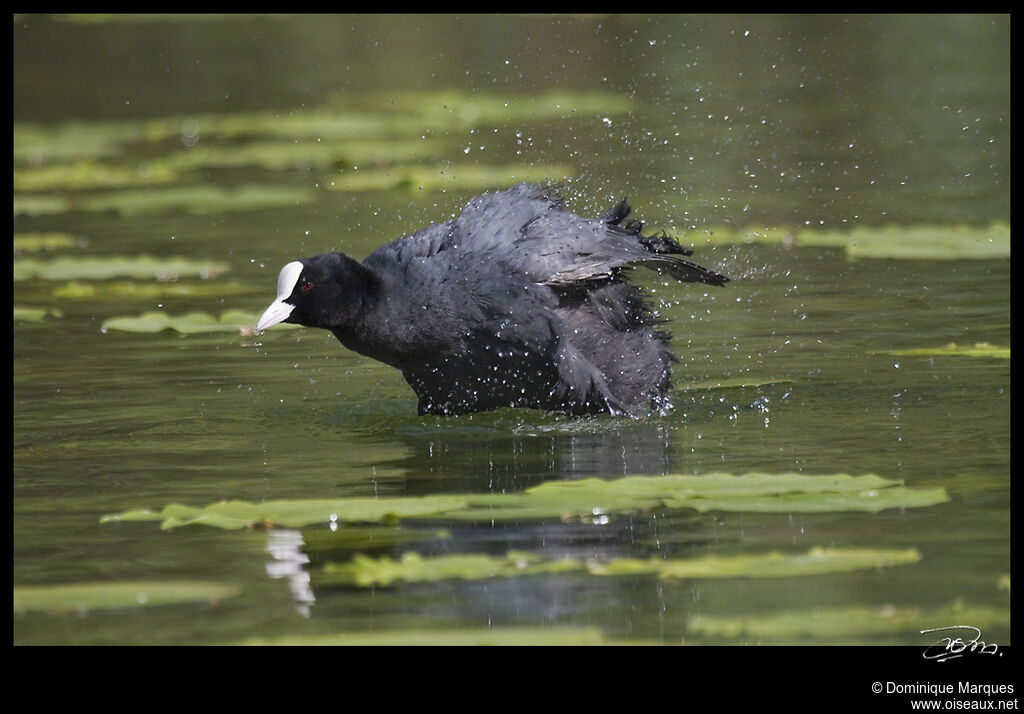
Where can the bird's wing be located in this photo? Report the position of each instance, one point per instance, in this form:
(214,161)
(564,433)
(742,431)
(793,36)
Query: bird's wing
(529,232)
(559,248)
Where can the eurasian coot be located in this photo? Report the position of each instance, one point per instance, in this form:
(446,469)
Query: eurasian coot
(517,302)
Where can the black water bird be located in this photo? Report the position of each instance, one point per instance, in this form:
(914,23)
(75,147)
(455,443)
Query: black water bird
(516,302)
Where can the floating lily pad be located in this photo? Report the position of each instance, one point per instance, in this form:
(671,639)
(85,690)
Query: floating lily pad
(869,501)
(753,492)
(38,205)
(39,144)
(930,243)
(364,571)
(849,624)
(581,499)
(954,242)
(979,349)
(449,108)
(41,242)
(35,314)
(469,177)
(116,266)
(497,636)
(232,515)
(350,116)
(83,597)
(198,199)
(816,561)
(122,289)
(738,383)
(190,323)
(90,174)
(318,123)
(310,153)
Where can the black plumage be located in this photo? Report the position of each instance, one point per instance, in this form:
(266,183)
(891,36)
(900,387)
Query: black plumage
(516,302)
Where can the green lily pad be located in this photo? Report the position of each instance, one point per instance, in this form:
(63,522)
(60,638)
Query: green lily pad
(816,561)
(589,498)
(40,144)
(347,117)
(363,571)
(123,289)
(310,153)
(930,243)
(115,266)
(451,108)
(35,314)
(39,205)
(41,242)
(868,500)
(916,242)
(573,500)
(232,515)
(738,383)
(848,624)
(197,199)
(90,174)
(469,177)
(83,597)
(190,323)
(498,636)
(979,349)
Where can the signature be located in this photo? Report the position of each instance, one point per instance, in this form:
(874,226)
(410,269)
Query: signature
(951,647)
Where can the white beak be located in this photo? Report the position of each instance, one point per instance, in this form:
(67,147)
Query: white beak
(279,309)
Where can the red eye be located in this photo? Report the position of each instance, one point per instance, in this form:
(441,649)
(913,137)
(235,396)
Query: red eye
(306,287)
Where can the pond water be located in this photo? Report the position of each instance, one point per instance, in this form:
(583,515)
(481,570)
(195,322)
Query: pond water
(849,174)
